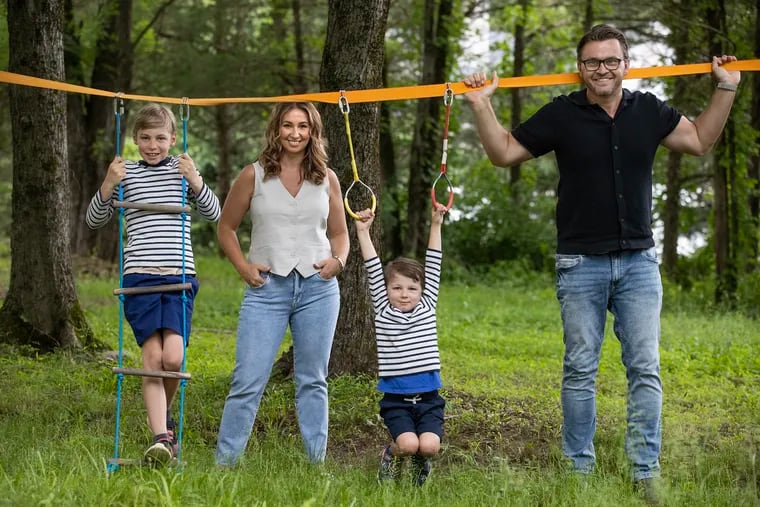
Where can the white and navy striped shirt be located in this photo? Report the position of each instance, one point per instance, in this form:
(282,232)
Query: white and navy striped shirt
(407,342)
(155,239)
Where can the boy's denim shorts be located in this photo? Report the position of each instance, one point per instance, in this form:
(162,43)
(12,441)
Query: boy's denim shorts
(148,313)
(416,413)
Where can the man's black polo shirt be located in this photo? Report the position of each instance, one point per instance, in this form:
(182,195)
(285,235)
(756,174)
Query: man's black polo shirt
(605,168)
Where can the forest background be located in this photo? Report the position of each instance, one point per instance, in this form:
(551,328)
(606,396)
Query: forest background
(706,210)
(499,237)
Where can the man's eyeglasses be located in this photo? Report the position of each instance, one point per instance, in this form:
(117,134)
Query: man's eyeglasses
(609,63)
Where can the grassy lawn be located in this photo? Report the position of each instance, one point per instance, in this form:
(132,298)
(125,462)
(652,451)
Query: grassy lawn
(501,349)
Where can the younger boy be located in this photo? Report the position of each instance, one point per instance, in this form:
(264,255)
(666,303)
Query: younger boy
(153,255)
(407,348)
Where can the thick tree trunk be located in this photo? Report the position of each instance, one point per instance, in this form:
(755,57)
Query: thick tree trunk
(41,308)
(426,141)
(355,33)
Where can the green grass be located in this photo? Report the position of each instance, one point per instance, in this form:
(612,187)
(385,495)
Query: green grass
(501,349)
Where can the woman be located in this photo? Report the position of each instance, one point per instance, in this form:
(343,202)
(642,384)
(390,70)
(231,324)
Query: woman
(299,243)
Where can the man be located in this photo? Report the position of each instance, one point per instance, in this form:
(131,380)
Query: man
(605,139)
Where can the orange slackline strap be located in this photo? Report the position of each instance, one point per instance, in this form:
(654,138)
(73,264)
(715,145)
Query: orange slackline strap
(384,94)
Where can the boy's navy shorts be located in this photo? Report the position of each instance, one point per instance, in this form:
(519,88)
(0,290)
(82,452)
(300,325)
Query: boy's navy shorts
(148,313)
(416,413)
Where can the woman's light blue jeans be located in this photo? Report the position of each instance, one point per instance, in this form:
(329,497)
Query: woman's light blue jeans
(627,284)
(310,307)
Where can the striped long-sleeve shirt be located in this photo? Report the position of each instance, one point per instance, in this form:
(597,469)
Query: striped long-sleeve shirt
(155,239)
(407,342)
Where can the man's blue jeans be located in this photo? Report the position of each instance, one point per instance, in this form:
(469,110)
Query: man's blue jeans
(627,284)
(310,307)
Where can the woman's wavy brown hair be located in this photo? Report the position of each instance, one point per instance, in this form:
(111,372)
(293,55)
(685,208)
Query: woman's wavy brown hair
(314,165)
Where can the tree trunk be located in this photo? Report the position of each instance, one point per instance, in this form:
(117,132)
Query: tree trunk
(355,33)
(41,308)
(391,231)
(224,122)
(426,140)
(753,169)
(725,269)
(112,70)
(671,216)
(301,86)
(223,115)
(518,70)
(679,40)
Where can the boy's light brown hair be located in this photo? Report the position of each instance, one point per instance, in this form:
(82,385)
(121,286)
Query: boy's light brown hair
(154,116)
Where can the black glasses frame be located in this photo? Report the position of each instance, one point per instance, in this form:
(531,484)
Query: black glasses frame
(609,63)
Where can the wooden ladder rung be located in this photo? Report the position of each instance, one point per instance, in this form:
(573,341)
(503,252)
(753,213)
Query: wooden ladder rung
(153,373)
(164,208)
(172,287)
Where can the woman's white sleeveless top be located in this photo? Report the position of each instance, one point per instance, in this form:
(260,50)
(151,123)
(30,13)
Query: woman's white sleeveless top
(289,232)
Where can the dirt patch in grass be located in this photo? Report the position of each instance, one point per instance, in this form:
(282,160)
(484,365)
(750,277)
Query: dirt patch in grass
(476,430)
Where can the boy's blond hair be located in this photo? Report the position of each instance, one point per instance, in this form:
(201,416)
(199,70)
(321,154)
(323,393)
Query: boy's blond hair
(154,116)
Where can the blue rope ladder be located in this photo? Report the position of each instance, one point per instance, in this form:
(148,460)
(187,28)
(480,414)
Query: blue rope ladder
(121,292)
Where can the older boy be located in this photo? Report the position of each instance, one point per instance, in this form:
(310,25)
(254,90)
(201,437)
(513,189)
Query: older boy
(158,251)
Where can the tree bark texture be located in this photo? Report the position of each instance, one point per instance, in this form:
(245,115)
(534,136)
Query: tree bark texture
(724,269)
(515,171)
(41,308)
(671,215)
(672,209)
(224,128)
(353,59)
(753,169)
(94,125)
(393,242)
(425,155)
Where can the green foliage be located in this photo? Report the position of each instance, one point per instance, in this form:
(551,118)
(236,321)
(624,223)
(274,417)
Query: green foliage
(492,222)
